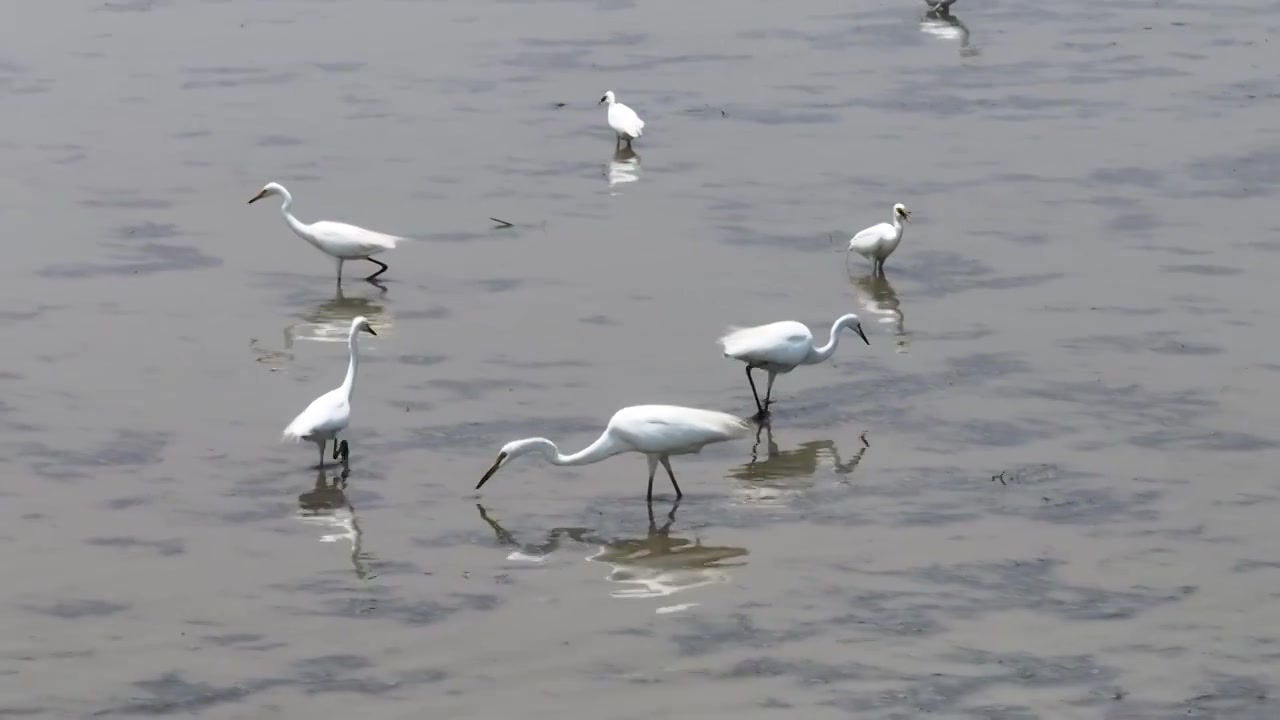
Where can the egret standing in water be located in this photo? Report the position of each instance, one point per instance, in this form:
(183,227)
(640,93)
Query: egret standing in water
(624,121)
(339,240)
(330,413)
(878,242)
(656,431)
(780,347)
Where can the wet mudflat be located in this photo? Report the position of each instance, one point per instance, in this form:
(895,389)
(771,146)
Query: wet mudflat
(1046,490)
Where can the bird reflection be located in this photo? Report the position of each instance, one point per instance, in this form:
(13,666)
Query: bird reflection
(655,565)
(877,297)
(939,22)
(330,321)
(624,167)
(326,505)
(789,465)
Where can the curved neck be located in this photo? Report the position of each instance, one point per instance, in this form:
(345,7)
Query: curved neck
(604,446)
(298,227)
(349,384)
(819,354)
(897,223)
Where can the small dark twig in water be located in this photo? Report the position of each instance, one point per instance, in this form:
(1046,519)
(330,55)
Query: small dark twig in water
(863,438)
(502,224)
(999,477)
(560,105)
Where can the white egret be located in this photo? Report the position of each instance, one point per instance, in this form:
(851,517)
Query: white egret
(339,240)
(330,413)
(780,347)
(878,242)
(656,431)
(624,121)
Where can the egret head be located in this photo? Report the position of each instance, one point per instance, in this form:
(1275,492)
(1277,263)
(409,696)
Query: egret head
(608,98)
(901,211)
(360,324)
(268,190)
(511,450)
(852,322)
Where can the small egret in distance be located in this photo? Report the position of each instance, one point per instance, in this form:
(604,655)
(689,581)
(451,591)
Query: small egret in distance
(656,431)
(624,121)
(878,242)
(780,347)
(339,240)
(330,413)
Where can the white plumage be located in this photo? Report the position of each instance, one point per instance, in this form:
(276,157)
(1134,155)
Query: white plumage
(626,124)
(780,347)
(330,413)
(656,431)
(339,240)
(878,242)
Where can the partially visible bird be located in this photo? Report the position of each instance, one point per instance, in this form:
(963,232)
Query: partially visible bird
(878,242)
(339,240)
(624,121)
(780,347)
(656,431)
(330,413)
(942,7)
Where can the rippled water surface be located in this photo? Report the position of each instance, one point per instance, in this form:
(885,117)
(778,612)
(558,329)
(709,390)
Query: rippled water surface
(1046,490)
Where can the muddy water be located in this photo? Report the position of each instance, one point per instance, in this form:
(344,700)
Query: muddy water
(1046,490)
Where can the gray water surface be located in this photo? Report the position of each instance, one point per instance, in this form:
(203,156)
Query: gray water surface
(1046,489)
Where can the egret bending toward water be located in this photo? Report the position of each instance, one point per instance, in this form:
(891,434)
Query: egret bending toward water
(657,431)
(340,240)
(330,413)
(624,121)
(878,242)
(778,348)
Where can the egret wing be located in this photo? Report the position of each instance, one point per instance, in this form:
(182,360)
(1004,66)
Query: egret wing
(781,343)
(674,429)
(868,240)
(353,237)
(326,414)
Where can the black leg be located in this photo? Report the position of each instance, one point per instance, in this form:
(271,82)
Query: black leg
(321,465)
(345,451)
(340,273)
(335,447)
(653,467)
(666,463)
(379,263)
(754,394)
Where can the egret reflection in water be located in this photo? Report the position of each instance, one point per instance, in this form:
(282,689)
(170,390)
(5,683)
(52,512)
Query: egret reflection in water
(330,320)
(624,167)
(655,565)
(940,23)
(880,304)
(327,506)
(783,472)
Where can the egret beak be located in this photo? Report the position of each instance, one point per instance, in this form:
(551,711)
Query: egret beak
(258,197)
(858,329)
(602,100)
(497,464)
(906,215)
(369,329)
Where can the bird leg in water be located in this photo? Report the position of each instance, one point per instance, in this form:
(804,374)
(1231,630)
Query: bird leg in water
(339,271)
(341,450)
(666,463)
(755,394)
(378,263)
(768,392)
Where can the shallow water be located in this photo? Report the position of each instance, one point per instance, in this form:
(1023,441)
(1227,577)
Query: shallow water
(1046,489)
